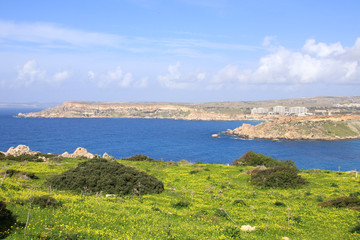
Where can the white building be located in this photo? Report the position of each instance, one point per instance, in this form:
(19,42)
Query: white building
(298,110)
(279,109)
(259,111)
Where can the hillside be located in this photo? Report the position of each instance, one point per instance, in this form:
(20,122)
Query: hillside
(132,110)
(193,111)
(200,201)
(303,128)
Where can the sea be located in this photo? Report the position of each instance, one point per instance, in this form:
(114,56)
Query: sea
(167,140)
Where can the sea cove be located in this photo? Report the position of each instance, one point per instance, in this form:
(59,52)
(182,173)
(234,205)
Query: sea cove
(168,140)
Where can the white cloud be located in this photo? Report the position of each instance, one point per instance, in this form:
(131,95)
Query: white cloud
(268,41)
(46,33)
(315,63)
(126,80)
(61,76)
(117,78)
(322,49)
(176,80)
(142,83)
(91,75)
(29,73)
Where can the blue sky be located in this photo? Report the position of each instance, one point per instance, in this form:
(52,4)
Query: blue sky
(178,50)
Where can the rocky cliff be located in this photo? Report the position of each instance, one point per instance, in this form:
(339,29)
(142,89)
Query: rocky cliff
(134,110)
(302,128)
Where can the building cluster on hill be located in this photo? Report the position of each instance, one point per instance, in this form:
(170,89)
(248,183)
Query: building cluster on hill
(349,105)
(282,110)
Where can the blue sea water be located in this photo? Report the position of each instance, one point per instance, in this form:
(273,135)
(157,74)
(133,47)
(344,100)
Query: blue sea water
(167,140)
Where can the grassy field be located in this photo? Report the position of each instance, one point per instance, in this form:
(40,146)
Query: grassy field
(200,201)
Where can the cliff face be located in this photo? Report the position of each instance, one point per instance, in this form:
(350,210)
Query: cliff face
(302,128)
(131,110)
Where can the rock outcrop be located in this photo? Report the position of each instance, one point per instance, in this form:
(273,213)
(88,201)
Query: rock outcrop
(107,156)
(80,152)
(302,128)
(20,150)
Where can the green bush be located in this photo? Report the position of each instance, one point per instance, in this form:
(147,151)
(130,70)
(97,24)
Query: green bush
(239,202)
(13,172)
(256,159)
(277,177)
(45,201)
(181,204)
(7,220)
(140,157)
(356,228)
(233,232)
(25,157)
(107,176)
(342,202)
(279,204)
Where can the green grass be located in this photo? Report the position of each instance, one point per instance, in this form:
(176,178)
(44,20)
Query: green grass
(211,188)
(338,129)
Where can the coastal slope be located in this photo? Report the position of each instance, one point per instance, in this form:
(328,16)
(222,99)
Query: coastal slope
(133,110)
(302,128)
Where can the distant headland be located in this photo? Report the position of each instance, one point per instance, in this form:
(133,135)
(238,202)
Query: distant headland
(218,111)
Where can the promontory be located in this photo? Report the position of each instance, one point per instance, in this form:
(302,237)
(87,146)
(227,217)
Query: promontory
(302,128)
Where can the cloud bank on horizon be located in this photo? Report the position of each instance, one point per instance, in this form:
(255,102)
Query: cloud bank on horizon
(48,60)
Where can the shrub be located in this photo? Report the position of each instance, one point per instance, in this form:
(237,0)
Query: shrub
(354,194)
(239,202)
(108,176)
(46,201)
(233,232)
(256,159)
(140,158)
(25,157)
(7,220)
(220,213)
(181,204)
(279,204)
(342,202)
(278,177)
(356,228)
(13,172)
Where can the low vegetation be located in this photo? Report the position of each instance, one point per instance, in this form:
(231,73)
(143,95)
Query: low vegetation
(100,175)
(343,202)
(139,157)
(216,202)
(7,220)
(277,177)
(257,159)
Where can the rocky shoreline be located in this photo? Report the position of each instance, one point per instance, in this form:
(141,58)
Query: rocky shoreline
(80,152)
(326,128)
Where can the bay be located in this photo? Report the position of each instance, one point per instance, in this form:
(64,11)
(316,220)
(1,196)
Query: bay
(168,140)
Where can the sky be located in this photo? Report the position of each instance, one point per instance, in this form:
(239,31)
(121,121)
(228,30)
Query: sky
(178,50)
